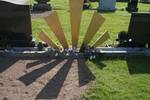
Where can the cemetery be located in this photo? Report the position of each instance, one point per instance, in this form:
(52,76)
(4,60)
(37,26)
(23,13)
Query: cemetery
(74,49)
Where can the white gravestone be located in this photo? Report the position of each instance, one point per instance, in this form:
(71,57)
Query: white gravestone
(107,5)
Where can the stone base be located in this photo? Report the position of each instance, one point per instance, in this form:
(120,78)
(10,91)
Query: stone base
(106,10)
(131,9)
(122,0)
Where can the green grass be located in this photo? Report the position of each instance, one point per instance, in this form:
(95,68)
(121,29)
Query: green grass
(115,22)
(118,78)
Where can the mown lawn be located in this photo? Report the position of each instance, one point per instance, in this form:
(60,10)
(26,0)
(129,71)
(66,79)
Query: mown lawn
(125,78)
(115,22)
(120,79)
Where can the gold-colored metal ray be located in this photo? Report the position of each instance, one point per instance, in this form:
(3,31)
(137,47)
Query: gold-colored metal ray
(44,37)
(96,23)
(76,7)
(105,36)
(55,25)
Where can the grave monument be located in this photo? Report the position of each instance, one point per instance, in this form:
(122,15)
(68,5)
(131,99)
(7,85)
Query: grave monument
(15,24)
(132,6)
(107,5)
(42,5)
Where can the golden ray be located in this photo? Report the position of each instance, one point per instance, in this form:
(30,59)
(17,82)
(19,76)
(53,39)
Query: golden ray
(55,25)
(96,23)
(105,36)
(76,7)
(44,37)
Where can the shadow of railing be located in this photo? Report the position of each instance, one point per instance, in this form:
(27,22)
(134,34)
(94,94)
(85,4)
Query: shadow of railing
(6,63)
(53,87)
(32,76)
(37,62)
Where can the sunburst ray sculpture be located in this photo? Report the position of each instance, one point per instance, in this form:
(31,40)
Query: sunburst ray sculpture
(44,37)
(94,26)
(104,37)
(55,25)
(76,7)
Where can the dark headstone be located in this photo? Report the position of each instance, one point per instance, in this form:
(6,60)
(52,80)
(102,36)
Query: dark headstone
(42,5)
(138,34)
(15,25)
(139,28)
(132,6)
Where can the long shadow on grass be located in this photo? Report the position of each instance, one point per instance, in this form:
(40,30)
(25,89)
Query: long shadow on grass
(98,62)
(138,65)
(32,76)
(53,87)
(85,75)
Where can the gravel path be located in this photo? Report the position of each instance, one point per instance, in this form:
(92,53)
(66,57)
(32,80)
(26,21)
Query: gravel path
(44,78)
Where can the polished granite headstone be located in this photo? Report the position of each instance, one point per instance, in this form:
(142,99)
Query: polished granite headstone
(15,25)
(132,6)
(139,28)
(138,34)
(42,5)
